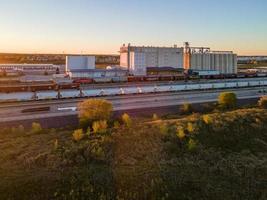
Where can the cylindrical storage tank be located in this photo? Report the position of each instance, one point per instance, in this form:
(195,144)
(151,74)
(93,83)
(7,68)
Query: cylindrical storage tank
(235,63)
(207,62)
(217,64)
(212,62)
(230,63)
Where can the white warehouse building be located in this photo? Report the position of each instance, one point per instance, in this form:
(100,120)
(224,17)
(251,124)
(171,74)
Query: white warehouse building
(136,59)
(79,63)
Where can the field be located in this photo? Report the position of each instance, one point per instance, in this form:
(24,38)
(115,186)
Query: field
(221,155)
(251,66)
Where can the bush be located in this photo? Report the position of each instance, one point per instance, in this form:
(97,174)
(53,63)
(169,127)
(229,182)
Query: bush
(116,125)
(163,128)
(100,127)
(78,135)
(191,144)
(127,120)
(155,117)
(94,110)
(180,133)
(227,100)
(262,103)
(187,108)
(36,127)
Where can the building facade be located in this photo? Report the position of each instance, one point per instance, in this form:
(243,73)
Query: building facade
(202,58)
(136,59)
(222,61)
(79,63)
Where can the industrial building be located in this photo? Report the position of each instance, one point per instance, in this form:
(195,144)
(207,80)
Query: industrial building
(79,63)
(203,59)
(136,59)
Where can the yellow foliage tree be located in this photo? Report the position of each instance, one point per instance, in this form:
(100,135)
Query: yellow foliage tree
(94,110)
(227,100)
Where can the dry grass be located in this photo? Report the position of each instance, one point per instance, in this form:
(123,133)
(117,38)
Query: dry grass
(137,155)
(28,166)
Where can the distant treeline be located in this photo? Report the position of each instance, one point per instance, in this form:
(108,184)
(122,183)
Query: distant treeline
(58,59)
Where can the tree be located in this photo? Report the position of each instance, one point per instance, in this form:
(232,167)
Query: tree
(94,110)
(227,100)
(263,102)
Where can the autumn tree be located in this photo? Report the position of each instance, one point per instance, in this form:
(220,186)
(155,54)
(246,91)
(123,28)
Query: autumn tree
(94,110)
(227,100)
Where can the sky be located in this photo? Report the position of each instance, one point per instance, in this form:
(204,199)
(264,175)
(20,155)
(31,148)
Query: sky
(102,26)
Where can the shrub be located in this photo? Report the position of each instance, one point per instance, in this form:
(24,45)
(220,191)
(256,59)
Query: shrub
(100,126)
(155,117)
(94,110)
(187,108)
(127,120)
(191,144)
(78,135)
(88,131)
(116,125)
(190,127)
(180,133)
(207,119)
(163,128)
(36,128)
(262,103)
(227,100)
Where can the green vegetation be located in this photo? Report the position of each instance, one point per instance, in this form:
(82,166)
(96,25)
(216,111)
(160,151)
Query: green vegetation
(227,100)
(219,155)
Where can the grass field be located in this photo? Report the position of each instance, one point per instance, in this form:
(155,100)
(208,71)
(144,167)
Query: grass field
(221,155)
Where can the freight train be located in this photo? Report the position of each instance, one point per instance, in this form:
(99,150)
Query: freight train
(32,86)
(18,86)
(152,78)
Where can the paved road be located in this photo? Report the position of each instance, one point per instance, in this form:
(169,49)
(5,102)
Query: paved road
(12,111)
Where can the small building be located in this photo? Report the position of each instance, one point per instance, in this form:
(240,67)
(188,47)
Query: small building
(79,63)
